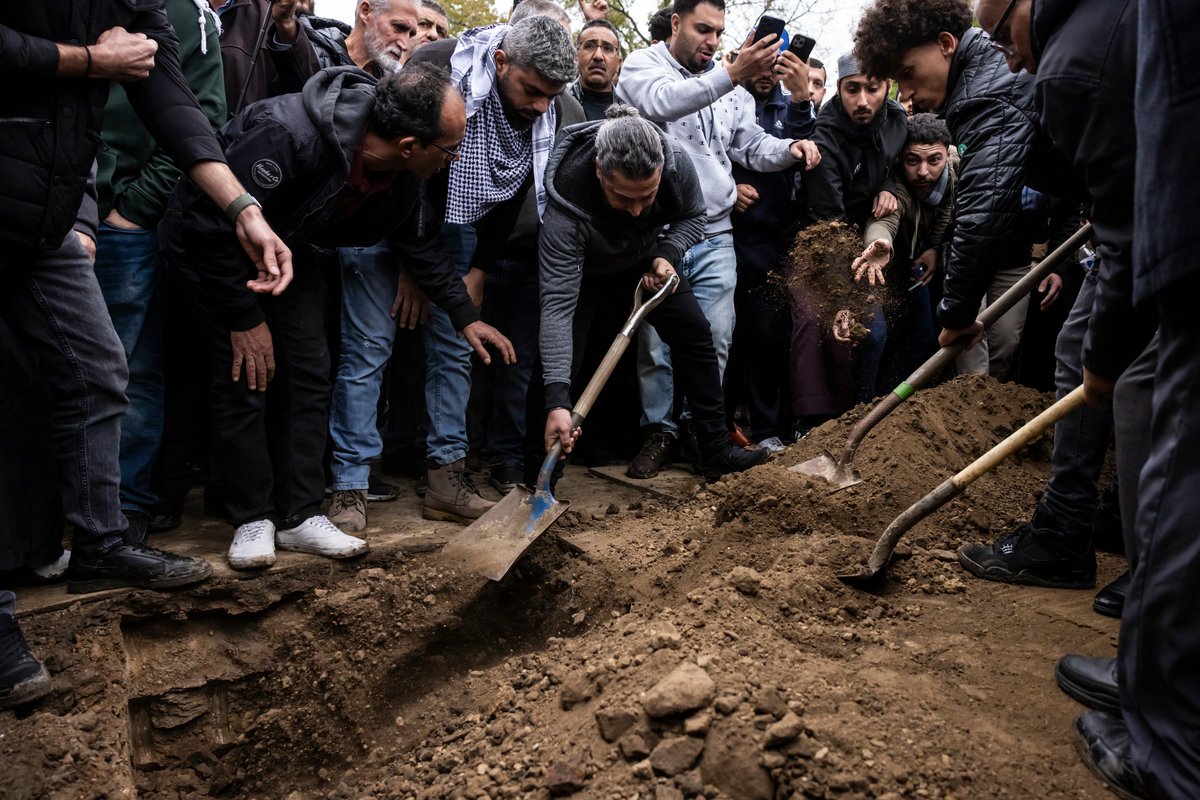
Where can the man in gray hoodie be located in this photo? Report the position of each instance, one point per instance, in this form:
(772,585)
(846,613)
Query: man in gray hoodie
(705,110)
(624,204)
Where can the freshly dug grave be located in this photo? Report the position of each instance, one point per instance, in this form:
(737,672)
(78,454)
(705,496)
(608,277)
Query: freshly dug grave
(699,650)
(820,272)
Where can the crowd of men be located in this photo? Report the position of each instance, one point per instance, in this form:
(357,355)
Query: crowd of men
(266,251)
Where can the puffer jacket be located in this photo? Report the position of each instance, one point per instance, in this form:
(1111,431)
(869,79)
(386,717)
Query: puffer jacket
(294,153)
(328,40)
(993,118)
(50,127)
(582,234)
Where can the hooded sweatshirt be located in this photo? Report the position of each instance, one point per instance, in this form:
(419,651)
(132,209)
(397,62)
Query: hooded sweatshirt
(582,234)
(295,154)
(712,120)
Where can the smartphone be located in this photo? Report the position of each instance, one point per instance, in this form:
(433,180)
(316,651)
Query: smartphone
(802,46)
(767,25)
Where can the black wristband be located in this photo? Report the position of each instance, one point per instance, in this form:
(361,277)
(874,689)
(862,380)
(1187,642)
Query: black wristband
(88,70)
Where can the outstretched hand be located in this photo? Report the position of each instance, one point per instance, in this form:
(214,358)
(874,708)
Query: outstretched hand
(872,261)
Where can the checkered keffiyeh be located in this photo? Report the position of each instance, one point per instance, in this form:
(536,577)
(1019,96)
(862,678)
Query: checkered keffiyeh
(495,157)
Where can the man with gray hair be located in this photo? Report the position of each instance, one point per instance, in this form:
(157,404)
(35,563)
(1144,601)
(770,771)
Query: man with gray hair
(625,205)
(380,40)
(540,8)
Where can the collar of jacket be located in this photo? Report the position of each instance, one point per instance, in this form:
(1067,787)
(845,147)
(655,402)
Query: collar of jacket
(968,43)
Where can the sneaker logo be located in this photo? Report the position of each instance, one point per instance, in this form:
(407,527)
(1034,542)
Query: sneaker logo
(1007,548)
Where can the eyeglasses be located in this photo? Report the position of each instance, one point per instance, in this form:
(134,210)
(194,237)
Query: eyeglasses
(994,36)
(592,44)
(455,155)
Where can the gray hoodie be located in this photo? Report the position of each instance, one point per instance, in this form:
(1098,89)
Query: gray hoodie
(582,233)
(711,118)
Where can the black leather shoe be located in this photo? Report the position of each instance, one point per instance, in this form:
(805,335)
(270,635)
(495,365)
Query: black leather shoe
(1110,601)
(732,459)
(132,565)
(23,678)
(1090,680)
(1103,743)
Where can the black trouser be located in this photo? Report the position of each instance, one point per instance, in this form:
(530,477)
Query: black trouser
(270,444)
(758,358)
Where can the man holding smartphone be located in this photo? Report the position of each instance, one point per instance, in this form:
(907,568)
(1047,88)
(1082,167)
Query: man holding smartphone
(705,110)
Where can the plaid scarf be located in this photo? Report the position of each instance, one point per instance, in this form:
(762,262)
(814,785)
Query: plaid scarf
(495,158)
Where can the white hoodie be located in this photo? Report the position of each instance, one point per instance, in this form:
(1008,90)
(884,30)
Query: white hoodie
(712,120)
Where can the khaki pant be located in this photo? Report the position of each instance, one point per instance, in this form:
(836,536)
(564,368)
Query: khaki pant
(994,355)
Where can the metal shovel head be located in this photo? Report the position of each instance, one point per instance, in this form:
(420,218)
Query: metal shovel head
(490,545)
(827,468)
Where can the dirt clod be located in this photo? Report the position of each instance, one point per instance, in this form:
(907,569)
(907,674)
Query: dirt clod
(687,688)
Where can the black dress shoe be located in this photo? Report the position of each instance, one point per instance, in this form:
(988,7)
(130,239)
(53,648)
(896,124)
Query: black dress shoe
(132,565)
(1090,680)
(1103,743)
(1110,601)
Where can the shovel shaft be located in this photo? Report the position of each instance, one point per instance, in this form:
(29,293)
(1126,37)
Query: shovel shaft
(954,486)
(942,358)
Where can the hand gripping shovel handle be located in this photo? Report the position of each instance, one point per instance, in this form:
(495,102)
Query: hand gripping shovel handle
(615,351)
(954,486)
(944,356)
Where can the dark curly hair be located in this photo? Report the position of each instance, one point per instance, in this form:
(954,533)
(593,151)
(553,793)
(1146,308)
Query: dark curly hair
(926,128)
(890,28)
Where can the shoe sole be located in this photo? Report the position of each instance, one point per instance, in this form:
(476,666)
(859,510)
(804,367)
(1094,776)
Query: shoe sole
(382,498)
(32,688)
(317,551)
(346,527)
(253,562)
(1085,755)
(101,584)
(1086,696)
(1020,578)
(437,515)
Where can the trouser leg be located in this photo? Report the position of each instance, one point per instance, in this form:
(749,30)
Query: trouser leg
(1133,400)
(448,367)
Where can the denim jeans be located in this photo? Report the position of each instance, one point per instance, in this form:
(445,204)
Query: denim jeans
(448,365)
(710,266)
(868,354)
(132,277)
(57,309)
(510,303)
(368,334)
(1081,437)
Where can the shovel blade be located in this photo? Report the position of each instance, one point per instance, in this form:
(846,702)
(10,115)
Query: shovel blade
(864,578)
(827,468)
(490,545)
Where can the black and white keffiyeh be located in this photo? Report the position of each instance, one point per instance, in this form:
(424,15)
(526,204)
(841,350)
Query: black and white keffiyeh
(495,157)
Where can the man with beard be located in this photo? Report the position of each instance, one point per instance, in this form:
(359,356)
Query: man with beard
(704,108)
(818,76)
(599,54)
(758,359)
(383,36)
(860,133)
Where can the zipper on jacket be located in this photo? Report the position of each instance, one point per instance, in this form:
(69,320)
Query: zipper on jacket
(24,121)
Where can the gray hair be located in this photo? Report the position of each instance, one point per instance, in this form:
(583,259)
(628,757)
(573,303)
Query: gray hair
(543,8)
(628,144)
(540,43)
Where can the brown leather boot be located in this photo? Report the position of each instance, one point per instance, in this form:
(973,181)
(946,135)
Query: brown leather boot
(452,494)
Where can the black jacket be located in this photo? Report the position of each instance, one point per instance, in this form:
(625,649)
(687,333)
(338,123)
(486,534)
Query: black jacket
(993,118)
(276,72)
(856,161)
(1087,66)
(328,40)
(294,154)
(50,128)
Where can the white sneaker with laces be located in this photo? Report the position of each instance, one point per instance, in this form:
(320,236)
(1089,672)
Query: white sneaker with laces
(773,445)
(319,535)
(253,545)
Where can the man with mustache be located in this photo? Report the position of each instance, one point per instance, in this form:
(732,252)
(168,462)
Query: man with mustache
(704,108)
(383,36)
(599,54)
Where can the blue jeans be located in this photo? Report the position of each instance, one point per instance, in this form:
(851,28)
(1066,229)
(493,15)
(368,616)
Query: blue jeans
(132,277)
(56,307)
(1081,437)
(448,365)
(510,303)
(368,333)
(710,266)
(868,354)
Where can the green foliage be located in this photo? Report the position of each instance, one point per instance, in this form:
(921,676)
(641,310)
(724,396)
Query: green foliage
(467,14)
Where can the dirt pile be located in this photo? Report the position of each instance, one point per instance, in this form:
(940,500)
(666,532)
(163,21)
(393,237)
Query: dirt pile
(699,650)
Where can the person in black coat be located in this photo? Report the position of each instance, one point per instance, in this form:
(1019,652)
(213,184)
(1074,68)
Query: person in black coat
(61,57)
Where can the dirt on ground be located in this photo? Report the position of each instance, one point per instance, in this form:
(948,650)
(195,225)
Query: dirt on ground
(652,649)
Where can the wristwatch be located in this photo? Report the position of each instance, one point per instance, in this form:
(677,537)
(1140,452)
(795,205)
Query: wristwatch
(240,204)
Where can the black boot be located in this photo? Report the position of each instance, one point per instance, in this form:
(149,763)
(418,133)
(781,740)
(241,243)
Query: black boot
(1110,601)
(1103,743)
(23,678)
(1090,680)
(731,459)
(1041,552)
(139,525)
(132,565)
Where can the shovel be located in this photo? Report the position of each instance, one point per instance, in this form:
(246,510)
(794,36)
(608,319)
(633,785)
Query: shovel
(491,544)
(954,486)
(841,472)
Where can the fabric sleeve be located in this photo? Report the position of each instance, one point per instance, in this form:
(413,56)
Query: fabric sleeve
(562,246)
(754,148)
(22,54)
(662,95)
(682,235)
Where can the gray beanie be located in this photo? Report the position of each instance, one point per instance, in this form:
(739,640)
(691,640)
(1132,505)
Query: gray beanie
(847,66)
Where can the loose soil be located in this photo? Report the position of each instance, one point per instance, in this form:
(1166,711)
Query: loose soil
(820,265)
(399,677)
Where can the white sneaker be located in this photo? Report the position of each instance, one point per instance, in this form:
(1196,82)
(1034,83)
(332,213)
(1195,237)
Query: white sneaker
(319,535)
(253,545)
(773,445)
(53,570)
